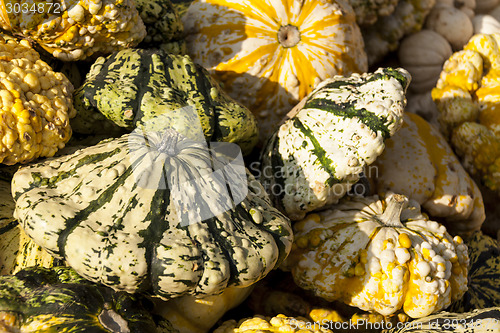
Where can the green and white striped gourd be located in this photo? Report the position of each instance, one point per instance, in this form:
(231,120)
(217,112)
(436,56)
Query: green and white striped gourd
(140,214)
(320,150)
(17,250)
(134,86)
(477,321)
(164,29)
(484,274)
(58,300)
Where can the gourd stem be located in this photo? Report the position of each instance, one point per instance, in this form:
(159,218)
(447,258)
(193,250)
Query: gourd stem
(168,143)
(288,35)
(392,214)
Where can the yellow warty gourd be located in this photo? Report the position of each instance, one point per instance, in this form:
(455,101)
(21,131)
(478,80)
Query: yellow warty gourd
(75,29)
(277,324)
(380,255)
(36,104)
(467,96)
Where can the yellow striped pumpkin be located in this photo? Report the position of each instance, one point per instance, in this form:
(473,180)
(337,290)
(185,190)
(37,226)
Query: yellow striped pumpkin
(269,54)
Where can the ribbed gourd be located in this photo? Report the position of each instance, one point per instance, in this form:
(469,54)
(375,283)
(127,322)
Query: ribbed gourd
(467,97)
(134,86)
(153,211)
(484,274)
(320,150)
(76,29)
(59,300)
(17,250)
(35,104)
(380,255)
(419,163)
(271,54)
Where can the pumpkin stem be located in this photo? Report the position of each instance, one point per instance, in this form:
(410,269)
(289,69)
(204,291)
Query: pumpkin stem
(168,143)
(392,214)
(288,35)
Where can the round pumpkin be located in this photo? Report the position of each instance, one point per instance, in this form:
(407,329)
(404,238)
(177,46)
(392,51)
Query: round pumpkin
(379,255)
(271,54)
(153,211)
(59,300)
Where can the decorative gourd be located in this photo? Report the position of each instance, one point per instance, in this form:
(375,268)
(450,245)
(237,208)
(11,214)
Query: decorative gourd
(36,104)
(385,35)
(58,300)
(153,214)
(133,86)
(477,321)
(451,23)
(276,324)
(17,250)
(419,163)
(467,96)
(189,314)
(368,12)
(320,150)
(77,29)
(484,274)
(164,29)
(485,24)
(423,54)
(269,61)
(379,255)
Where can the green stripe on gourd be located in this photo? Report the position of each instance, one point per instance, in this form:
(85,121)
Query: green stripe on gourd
(17,250)
(58,300)
(320,150)
(135,86)
(110,211)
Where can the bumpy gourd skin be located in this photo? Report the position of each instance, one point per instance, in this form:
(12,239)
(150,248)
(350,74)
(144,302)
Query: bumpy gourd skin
(36,104)
(354,254)
(320,150)
(368,12)
(163,26)
(277,324)
(467,95)
(153,215)
(77,30)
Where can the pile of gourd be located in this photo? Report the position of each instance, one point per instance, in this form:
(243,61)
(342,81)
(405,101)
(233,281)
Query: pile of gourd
(249,166)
